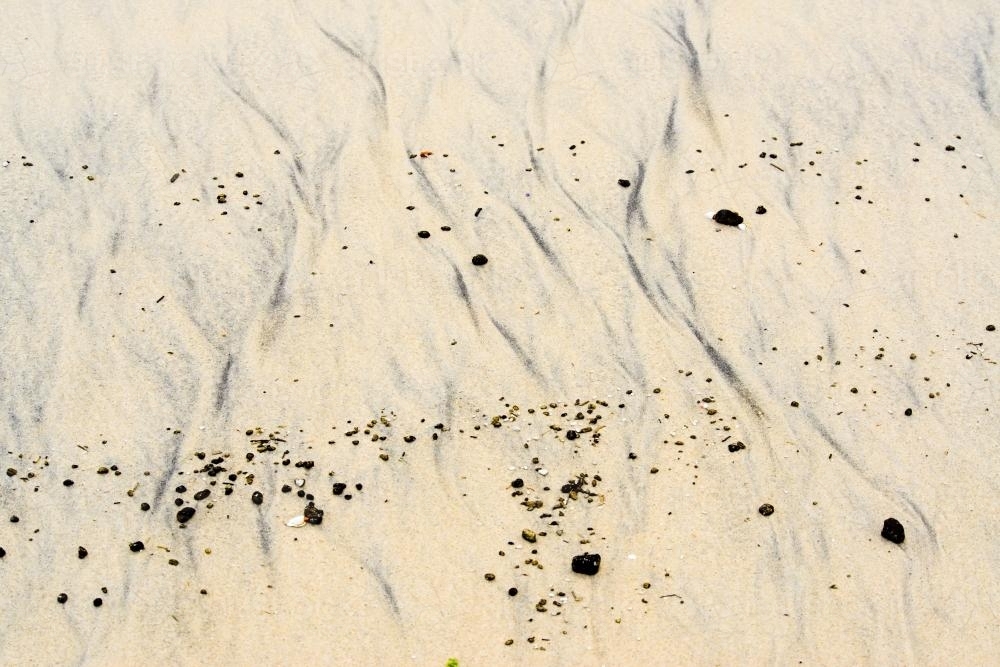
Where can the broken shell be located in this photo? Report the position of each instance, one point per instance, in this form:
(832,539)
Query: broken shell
(300,483)
(296,522)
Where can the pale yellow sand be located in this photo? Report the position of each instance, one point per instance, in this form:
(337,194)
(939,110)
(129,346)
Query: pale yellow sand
(137,332)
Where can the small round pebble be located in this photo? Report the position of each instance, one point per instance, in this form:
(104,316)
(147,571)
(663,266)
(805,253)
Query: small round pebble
(257,498)
(761,210)
(908,412)
(68,482)
(766,509)
(479,260)
(624,182)
(991,327)
(98,602)
(61,598)
(424,234)
(517,483)
(81,553)
(512,592)
(144,507)
(185,514)
(137,546)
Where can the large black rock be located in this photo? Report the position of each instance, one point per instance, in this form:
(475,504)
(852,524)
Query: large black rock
(587,563)
(726,217)
(892,530)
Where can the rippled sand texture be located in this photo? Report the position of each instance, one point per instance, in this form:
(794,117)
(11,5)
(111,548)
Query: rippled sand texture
(152,311)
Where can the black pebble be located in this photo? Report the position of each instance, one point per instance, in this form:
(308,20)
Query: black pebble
(313,514)
(257,498)
(736,446)
(68,482)
(766,509)
(185,514)
(517,483)
(144,507)
(14,518)
(98,602)
(726,217)
(181,489)
(285,488)
(572,435)
(991,327)
(512,592)
(892,530)
(587,563)
(81,553)
(761,210)
(949,147)
(3,552)
(201,495)
(624,182)
(339,488)
(136,547)
(424,234)
(61,598)
(479,260)
(908,412)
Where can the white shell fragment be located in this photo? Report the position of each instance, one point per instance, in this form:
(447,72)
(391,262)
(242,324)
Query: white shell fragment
(300,483)
(296,521)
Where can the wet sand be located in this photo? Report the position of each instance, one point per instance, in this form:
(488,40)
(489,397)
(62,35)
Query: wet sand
(238,258)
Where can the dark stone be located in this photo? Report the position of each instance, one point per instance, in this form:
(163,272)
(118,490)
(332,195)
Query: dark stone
(624,182)
(11,472)
(587,563)
(98,602)
(313,514)
(339,488)
(908,412)
(736,446)
(517,483)
(479,260)
(892,530)
(424,234)
(761,210)
(3,552)
(178,502)
(949,147)
(81,552)
(285,488)
(181,489)
(572,435)
(144,507)
(201,495)
(512,592)
(767,509)
(14,518)
(61,598)
(68,482)
(136,547)
(257,497)
(991,327)
(185,514)
(726,217)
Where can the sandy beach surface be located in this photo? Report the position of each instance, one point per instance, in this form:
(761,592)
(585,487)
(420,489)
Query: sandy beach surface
(440,282)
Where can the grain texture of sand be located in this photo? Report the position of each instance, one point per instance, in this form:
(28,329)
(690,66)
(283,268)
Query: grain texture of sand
(237,278)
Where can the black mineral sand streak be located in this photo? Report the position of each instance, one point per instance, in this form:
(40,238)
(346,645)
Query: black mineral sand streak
(463,291)
(723,366)
(523,356)
(634,214)
(222,388)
